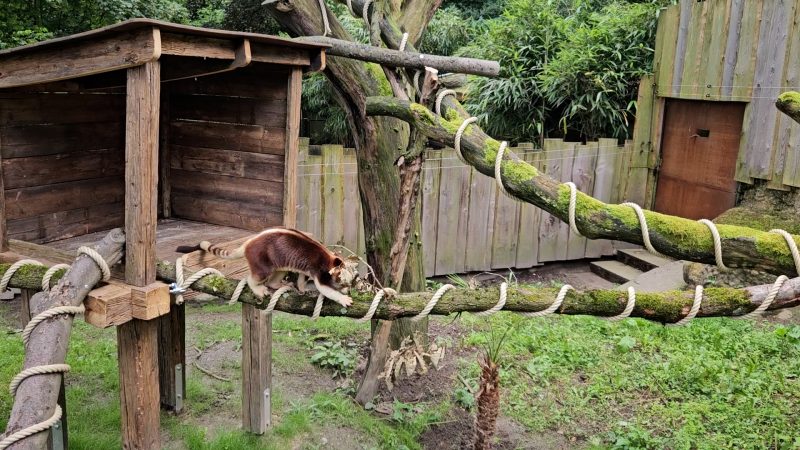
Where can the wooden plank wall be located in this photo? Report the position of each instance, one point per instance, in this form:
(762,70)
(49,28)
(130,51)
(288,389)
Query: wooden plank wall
(226,138)
(461,206)
(741,51)
(63,163)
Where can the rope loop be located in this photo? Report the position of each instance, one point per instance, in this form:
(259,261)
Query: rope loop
(498,169)
(38,370)
(717,243)
(501,302)
(459,134)
(326,25)
(365,12)
(562,294)
(573,201)
(48,314)
(440,97)
(403,42)
(350,8)
(645,230)
(628,306)
(792,247)
(698,300)
(432,302)
(375,301)
(98,259)
(34,429)
(13,269)
(771,295)
(49,274)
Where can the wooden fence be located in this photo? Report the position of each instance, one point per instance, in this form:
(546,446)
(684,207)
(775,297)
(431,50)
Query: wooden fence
(467,225)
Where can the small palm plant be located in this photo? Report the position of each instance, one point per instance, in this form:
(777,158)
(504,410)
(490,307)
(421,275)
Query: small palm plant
(488,396)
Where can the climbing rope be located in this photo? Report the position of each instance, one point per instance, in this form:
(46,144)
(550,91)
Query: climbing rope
(34,322)
(792,247)
(365,12)
(350,8)
(628,306)
(459,134)
(375,301)
(573,200)
(501,302)
(698,300)
(179,287)
(13,269)
(562,294)
(440,97)
(498,166)
(645,229)
(432,302)
(403,42)
(773,292)
(326,24)
(717,243)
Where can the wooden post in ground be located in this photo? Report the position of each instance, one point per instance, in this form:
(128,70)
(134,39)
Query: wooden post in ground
(256,369)
(25,306)
(137,340)
(172,357)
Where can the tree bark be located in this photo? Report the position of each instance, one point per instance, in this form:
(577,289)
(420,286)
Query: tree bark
(664,307)
(406,59)
(789,104)
(37,395)
(677,237)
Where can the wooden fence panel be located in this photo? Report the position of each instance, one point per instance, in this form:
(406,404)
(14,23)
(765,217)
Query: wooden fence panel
(480,222)
(453,211)
(430,209)
(529,217)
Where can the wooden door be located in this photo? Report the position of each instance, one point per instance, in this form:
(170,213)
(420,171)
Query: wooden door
(698,150)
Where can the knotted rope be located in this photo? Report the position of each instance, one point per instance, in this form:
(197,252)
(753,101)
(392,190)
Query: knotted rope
(440,97)
(459,134)
(26,333)
(179,287)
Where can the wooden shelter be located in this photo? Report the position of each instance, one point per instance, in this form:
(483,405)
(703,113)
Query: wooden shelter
(175,133)
(707,119)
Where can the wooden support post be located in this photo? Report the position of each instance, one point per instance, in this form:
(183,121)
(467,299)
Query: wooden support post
(25,307)
(137,340)
(292,148)
(256,369)
(137,343)
(172,357)
(3,229)
(165,156)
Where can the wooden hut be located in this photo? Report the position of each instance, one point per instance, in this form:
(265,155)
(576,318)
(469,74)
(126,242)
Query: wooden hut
(707,119)
(175,133)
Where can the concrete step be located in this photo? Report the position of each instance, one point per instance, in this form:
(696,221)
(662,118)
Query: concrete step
(665,278)
(615,271)
(641,259)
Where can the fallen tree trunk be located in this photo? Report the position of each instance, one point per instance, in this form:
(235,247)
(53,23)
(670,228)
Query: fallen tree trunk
(37,395)
(664,307)
(677,237)
(407,59)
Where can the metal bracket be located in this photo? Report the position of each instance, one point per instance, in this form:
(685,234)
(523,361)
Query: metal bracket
(57,436)
(178,388)
(267,408)
(174,289)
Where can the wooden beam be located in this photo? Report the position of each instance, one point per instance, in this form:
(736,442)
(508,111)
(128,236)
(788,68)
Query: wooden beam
(164,158)
(25,306)
(80,58)
(256,369)
(40,251)
(137,344)
(293,100)
(186,68)
(149,302)
(411,60)
(141,173)
(108,305)
(271,54)
(3,224)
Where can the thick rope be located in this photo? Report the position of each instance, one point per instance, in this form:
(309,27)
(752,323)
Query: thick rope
(415,80)
(628,307)
(792,247)
(350,8)
(698,299)
(49,274)
(276,296)
(403,42)
(38,370)
(375,301)
(180,286)
(432,302)
(440,97)
(773,292)
(562,294)
(573,200)
(326,24)
(459,134)
(645,230)
(13,269)
(365,11)
(717,243)
(498,169)
(34,429)
(48,314)
(318,307)
(98,260)
(501,302)
(238,291)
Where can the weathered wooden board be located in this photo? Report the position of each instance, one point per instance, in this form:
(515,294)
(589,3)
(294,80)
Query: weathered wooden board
(453,214)
(37,200)
(333,202)
(744,71)
(680,48)
(225,212)
(254,81)
(735,15)
(666,43)
(789,130)
(251,111)
(51,139)
(231,163)
(583,177)
(66,224)
(351,211)
(223,136)
(602,190)
(17,109)
(431,180)
(504,233)
(639,158)
(480,222)
(292,105)
(529,215)
(549,225)
(63,167)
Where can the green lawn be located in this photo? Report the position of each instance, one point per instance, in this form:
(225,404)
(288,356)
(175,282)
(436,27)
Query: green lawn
(714,384)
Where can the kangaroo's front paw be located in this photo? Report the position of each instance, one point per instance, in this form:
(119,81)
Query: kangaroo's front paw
(260,291)
(346,301)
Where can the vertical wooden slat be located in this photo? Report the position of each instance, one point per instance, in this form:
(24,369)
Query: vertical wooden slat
(529,215)
(745,67)
(25,307)
(548,224)
(3,220)
(506,226)
(657,130)
(715,45)
(141,172)
(164,159)
(430,208)
(301,209)
(256,369)
(694,58)
(759,150)
(583,177)
(313,186)
(639,159)
(736,16)
(293,95)
(666,43)
(452,220)
(137,346)
(784,147)
(479,222)
(333,195)
(350,213)
(681,45)
(602,190)
(790,130)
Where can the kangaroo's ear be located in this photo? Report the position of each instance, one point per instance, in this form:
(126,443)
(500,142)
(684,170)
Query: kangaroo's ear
(337,261)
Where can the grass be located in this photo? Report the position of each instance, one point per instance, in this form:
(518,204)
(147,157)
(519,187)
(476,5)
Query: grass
(715,384)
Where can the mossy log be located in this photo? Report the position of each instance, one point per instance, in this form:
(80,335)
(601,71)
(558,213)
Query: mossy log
(664,307)
(789,104)
(677,237)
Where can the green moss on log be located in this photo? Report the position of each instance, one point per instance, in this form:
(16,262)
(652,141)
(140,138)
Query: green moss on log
(789,103)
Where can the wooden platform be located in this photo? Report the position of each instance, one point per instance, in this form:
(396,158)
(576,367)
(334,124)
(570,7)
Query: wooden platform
(170,233)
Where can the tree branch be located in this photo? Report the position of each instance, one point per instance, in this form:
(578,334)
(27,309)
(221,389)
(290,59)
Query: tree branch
(673,236)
